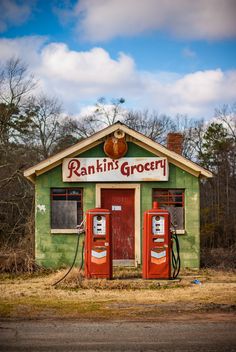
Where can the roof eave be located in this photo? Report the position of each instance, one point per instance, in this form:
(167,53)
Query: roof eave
(96,139)
(82,145)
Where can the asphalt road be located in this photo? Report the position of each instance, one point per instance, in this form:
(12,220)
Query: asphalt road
(63,335)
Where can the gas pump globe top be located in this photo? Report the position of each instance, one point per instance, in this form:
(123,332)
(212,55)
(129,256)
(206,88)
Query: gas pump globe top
(156,244)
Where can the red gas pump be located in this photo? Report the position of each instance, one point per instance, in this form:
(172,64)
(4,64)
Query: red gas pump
(98,254)
(156,244)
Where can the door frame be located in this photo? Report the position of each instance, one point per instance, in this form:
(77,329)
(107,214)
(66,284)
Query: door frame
(137,222)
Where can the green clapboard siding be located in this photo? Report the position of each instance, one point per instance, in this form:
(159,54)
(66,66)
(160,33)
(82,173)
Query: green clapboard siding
(57,250)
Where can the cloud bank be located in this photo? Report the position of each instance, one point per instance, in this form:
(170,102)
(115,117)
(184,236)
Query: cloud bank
(81,77)
(13,13)
(102,20)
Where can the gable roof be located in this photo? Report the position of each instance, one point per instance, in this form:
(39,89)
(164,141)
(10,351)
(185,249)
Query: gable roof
(97,138)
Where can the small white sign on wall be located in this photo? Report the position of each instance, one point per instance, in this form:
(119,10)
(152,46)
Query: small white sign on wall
(124,169)
(116,207)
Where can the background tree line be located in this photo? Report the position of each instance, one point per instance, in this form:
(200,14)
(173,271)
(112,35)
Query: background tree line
(33,127)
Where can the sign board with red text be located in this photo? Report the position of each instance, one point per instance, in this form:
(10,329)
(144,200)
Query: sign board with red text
(124,169)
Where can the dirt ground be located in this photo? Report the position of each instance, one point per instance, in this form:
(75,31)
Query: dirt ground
(127,296)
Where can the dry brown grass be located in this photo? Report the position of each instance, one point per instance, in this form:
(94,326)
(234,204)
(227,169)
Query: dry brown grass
(35,297)
(220,258)
(17,261)
(20,259)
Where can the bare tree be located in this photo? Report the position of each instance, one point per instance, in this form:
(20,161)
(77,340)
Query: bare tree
(16,84)
(108,113)
(104,114)
(227,115)
(192,131)
(152,125)
(46,122)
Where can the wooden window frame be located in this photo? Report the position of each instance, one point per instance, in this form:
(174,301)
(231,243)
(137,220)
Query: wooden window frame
(66,194)
(169,202)
(169,195)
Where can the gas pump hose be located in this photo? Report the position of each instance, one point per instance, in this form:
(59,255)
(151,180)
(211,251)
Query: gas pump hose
(176,263)
(75,256)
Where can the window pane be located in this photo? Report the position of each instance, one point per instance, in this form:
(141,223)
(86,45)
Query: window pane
(67,208)
(74,191)
(176,216)
(178,198)
(169,197)
(79,215)
(58,190)
(173,201)
(59,194)
(64,214)
(73,194)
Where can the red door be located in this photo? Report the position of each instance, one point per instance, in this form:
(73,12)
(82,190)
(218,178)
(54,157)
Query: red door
(121,204)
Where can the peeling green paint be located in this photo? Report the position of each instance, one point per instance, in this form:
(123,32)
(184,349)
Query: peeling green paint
(57,250)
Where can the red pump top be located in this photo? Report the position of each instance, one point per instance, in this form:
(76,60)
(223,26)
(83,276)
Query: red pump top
(155,205)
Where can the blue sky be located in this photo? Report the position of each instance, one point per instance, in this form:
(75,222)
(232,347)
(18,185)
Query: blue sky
(175,57)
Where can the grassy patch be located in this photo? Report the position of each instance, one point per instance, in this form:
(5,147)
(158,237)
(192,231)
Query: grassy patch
(33,296)
(39,308)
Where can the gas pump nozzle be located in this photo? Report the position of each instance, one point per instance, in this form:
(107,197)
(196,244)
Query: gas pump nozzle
(81,227)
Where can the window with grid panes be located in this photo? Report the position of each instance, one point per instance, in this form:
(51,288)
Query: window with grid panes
(173,201)
(66,208)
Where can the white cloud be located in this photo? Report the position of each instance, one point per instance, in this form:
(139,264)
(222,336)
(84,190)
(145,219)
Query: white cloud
(198,93)
(101,20)
(79,78)
(13,13)
(27,48)
(85,68)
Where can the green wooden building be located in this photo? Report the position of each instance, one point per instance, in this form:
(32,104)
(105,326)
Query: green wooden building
(84,176)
